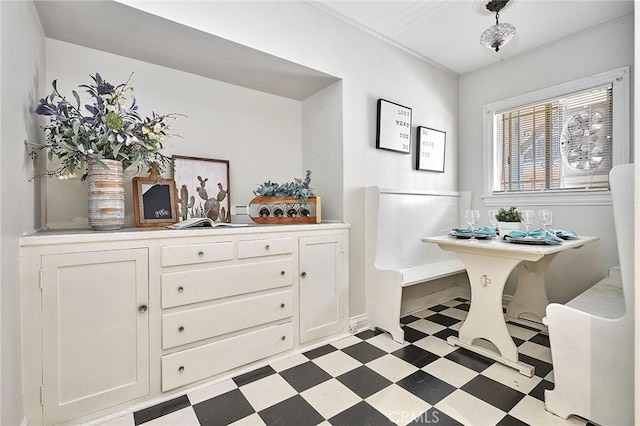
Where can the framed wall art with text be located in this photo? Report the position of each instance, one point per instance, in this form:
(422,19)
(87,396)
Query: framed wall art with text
(394,127)
(430,152)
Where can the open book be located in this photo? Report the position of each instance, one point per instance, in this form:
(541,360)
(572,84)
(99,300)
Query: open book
(203,222)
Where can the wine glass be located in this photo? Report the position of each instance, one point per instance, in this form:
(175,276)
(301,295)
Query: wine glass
(546,218)
(527,217)
(472,217)
(493,221)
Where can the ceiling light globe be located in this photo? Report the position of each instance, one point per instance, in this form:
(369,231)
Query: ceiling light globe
(497,36)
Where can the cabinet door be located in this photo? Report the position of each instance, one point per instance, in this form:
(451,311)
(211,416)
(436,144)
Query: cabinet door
(323,290)
(95,331)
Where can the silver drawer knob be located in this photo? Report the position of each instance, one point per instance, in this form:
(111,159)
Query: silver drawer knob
(181,368)
(283,338)
(180,289)
(282,272)
(181,329)
(304,274)
(142,309)
(200,253)
(266,247)
(282,305)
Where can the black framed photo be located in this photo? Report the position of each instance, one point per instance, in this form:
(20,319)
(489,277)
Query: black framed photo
(154,201)
(394,127)
(431,148)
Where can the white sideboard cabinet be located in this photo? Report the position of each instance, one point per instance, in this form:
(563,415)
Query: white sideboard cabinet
(111,320)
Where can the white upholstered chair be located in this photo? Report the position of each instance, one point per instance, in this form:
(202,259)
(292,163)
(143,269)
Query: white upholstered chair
(592,335)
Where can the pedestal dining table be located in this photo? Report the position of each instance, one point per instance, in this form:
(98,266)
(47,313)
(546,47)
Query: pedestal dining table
(489,263)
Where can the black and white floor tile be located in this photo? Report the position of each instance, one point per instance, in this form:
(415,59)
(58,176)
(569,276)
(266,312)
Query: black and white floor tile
(369,379)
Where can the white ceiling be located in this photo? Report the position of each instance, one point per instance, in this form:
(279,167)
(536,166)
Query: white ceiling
(447,32)
(106,26)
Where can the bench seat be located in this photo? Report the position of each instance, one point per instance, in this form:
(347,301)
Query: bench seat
(395,255)
(591,336)
(431,271)
(604,300)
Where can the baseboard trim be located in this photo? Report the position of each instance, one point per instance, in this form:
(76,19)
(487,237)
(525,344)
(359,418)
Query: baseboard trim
(420,303)
(358,323)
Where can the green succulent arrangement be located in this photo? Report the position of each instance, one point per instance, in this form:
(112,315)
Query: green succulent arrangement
(508,215)
(297,189)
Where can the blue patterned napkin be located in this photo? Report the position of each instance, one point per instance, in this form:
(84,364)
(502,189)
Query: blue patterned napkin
(538,234)
(484,231)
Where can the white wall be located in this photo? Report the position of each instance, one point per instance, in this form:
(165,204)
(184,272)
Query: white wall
(21,80)
(369,69)
(260,134)
(601,49)
(322,148)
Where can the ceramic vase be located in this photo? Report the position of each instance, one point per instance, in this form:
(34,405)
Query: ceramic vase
(106,195)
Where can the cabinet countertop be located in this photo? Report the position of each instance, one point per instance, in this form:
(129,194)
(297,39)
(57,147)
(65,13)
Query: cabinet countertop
(63,236)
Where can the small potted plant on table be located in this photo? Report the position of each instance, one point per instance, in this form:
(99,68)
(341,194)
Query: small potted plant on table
(508,219)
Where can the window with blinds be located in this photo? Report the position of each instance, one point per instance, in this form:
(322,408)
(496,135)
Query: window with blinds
(562,143)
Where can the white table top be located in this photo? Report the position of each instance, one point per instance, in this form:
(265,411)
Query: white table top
(498,247)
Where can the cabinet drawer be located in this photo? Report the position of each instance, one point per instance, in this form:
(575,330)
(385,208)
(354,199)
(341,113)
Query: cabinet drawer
(265,247)
(197,253)
(196,324)
(181,288)
(194,364)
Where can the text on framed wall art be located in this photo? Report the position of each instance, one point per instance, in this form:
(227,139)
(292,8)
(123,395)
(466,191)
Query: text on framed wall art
(394,127)
(431,148)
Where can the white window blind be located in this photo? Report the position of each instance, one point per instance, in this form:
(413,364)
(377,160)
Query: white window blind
(562,143)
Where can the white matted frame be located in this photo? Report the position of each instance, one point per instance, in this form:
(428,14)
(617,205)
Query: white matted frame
(393,127)
(430,151)
(207,181)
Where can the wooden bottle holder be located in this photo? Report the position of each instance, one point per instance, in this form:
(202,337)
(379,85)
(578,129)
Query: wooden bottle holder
(284,210)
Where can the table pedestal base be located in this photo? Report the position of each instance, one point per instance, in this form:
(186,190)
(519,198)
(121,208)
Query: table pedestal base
(524,369)
(485,319)
(530,300)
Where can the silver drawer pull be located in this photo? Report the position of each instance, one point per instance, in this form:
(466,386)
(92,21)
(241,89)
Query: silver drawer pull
(142,309)
(283,338)
(181,368)
(180,289)
(266,247)
(181,329)
(304,274)
(200,253)
(282,272)
(282,305)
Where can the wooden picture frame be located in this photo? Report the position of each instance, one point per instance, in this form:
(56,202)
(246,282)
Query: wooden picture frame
(393,131)
(203,188)
(430,152)
(154,201)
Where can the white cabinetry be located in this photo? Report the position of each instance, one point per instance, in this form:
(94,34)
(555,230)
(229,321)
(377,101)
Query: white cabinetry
(236,308)
(323,297)
(115,319)
(95,331)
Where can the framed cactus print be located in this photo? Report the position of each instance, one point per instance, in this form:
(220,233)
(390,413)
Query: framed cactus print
(203,188)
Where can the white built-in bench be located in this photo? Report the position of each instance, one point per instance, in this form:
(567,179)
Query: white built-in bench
(395,221)
(592,336)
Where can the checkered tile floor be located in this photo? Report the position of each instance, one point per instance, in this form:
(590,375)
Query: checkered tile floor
(368,379)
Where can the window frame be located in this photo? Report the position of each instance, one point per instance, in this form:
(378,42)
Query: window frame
(619,78)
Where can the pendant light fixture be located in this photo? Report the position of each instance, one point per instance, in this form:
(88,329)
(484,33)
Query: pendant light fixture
(499,34)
